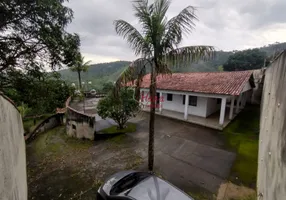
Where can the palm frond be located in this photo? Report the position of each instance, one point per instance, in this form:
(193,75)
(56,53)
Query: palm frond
(135,71)
(175,27)
(143,12)
(87,62)
(161,7)
(185,55)
(80,65)
(163,69)
(133,37)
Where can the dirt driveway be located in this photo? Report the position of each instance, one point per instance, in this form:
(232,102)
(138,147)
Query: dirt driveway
(189,156)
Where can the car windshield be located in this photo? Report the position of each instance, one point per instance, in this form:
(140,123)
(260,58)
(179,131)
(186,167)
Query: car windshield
(128,182)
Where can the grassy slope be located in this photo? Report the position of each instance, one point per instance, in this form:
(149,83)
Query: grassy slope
(242,136)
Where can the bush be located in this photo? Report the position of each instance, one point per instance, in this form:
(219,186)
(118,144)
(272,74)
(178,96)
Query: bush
(119,107)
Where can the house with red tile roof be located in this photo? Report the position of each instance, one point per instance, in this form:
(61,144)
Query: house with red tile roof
(211,99)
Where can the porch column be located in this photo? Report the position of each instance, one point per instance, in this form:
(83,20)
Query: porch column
(237,103)
(222,111)
(231,108)
(160,102)
(186,107)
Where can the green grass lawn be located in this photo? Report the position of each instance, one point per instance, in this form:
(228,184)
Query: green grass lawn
(57,142)
(242,137)
(130,128)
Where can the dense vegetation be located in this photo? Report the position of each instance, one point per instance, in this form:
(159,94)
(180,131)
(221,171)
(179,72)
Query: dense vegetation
(41,92)
(246,60)
(32,34)
(33,38)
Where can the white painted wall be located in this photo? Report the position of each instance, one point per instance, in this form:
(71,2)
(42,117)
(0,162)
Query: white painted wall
(212,106)
(175,105)
(178,106)
(206,104)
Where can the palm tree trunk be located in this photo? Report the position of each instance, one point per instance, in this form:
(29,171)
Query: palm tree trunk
(152,120)
(79,79)
(137,89)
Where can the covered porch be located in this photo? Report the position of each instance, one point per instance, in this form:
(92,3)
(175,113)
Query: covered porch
(227,108)
(210,122)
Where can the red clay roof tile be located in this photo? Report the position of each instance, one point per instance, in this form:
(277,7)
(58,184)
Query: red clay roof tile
(230,83)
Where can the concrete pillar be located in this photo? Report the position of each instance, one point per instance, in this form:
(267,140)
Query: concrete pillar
(186,107)
(222,111)
(237,103)
(160,102)
(231,108)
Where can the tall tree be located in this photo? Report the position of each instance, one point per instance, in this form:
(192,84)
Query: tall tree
(80,66)
(246,60)
(32,33)
(158,44)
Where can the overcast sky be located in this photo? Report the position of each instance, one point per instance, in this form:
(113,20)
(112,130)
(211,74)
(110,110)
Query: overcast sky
(225,24)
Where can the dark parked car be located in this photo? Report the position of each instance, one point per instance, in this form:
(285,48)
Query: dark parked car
(133,185)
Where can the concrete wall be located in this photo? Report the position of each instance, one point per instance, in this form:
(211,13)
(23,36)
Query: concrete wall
(272,142)
(13,177)
(258,76)
(79,125)
(49,123)
(212,106)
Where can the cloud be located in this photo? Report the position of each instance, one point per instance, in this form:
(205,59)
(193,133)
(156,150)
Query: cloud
(225,24)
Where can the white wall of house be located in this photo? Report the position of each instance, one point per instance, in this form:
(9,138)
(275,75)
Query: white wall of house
(177,105)
(206,103)
(212,106)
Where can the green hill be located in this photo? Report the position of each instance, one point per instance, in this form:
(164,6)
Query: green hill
(97,73)
(101,73)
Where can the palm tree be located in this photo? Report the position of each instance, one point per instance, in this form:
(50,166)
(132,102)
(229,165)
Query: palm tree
(80,66)
(158,45)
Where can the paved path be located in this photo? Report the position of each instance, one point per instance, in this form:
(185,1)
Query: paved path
(187,155)
(103,123)
(88,106)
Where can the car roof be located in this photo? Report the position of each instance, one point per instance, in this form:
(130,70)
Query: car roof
(154,188)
